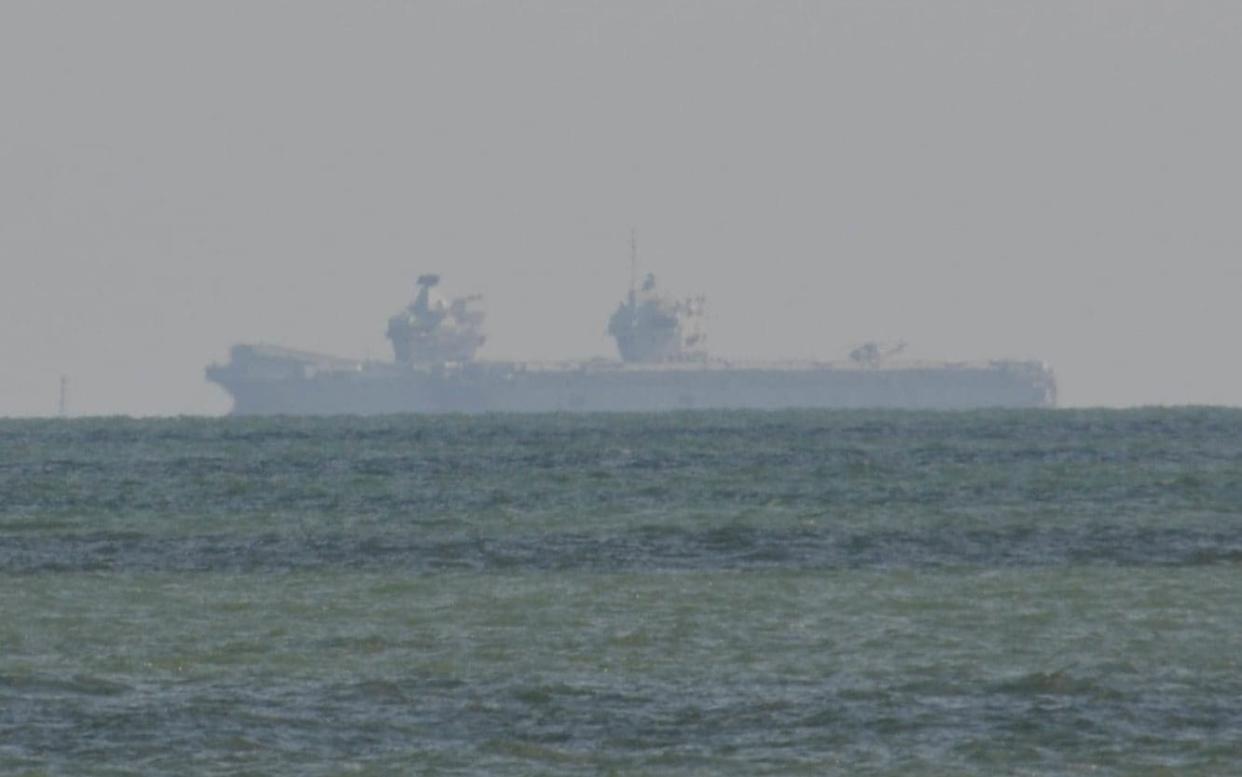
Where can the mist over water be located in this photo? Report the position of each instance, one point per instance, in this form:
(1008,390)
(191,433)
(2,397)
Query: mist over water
(999,592)
(1039,179)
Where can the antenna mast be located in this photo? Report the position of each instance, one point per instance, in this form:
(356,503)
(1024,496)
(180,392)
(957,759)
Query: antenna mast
(633,263)
(62,407)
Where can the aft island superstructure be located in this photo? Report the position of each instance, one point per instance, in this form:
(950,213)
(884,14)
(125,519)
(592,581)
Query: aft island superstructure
(663,365)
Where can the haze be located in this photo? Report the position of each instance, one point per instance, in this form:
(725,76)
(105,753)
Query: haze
(1052,180)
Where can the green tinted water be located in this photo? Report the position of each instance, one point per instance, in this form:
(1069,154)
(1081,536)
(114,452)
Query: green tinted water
(820,593)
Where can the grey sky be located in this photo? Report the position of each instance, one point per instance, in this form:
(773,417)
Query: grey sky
(1058,180)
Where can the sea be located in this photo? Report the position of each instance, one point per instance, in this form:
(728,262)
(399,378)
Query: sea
(1029,592)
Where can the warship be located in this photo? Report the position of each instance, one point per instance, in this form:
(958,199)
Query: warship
(663,365)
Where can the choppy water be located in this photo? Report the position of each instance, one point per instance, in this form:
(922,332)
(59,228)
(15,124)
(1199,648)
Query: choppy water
(821,593)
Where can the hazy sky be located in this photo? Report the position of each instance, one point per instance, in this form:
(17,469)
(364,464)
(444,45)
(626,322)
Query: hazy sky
(1053,180)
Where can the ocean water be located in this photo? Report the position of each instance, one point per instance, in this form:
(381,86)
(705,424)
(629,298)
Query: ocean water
(839,593)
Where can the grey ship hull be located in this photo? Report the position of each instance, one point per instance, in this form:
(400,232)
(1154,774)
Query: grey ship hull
(270,381)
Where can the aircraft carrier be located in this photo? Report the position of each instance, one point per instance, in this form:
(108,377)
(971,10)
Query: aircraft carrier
(663,365)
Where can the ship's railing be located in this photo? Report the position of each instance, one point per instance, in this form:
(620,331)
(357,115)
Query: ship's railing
(607,365)
(253,355)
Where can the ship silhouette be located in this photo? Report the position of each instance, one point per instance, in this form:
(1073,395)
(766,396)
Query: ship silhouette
(663,365)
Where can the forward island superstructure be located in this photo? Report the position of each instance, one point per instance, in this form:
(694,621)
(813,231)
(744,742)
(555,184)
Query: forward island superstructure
(663,365)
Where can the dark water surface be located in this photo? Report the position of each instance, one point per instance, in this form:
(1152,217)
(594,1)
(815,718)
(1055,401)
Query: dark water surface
(1009,592)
